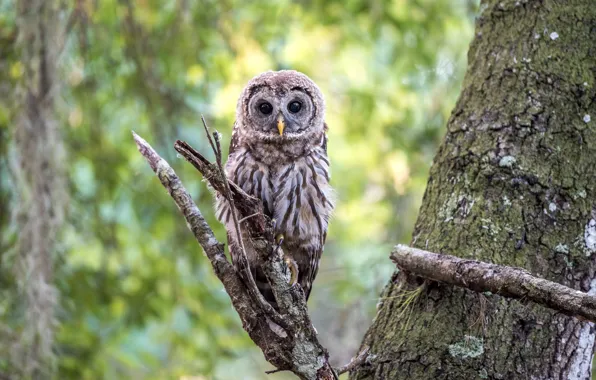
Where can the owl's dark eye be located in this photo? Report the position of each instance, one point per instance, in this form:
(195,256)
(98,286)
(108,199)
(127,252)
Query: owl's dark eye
(294,107)
(266,108)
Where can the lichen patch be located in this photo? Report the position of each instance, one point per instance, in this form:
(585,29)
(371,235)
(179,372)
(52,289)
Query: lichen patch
(469,347)
(507,162)
(506,201)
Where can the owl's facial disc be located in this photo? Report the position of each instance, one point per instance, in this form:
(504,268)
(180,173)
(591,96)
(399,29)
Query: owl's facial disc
(281,114)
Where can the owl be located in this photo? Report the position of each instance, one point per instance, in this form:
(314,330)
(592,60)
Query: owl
(278,154)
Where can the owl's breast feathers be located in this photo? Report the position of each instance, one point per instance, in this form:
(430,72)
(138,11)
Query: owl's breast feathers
(296,193)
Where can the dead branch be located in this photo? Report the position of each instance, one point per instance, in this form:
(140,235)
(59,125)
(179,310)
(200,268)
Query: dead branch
(502,280)
(288,339)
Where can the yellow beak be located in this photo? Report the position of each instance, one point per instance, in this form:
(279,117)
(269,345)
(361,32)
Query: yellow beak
(280,124)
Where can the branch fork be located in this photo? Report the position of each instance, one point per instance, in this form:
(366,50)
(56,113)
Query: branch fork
(286,337)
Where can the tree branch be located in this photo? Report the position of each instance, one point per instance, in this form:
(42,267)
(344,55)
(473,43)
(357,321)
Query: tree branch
(288,339)
(502,280)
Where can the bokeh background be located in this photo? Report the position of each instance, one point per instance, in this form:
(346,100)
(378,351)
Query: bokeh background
(137,297)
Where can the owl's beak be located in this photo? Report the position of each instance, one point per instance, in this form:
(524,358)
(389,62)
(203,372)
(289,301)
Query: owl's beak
(280,124)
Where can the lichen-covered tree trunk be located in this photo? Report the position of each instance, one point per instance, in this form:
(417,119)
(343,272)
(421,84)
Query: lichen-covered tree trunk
(514,183)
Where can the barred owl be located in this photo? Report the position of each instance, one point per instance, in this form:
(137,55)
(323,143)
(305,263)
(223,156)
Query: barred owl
(278,154)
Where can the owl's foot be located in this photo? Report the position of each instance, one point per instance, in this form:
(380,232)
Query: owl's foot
(293,267)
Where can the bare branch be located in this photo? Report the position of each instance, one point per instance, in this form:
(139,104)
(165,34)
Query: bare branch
(292,343)
(196,222)
(503,280)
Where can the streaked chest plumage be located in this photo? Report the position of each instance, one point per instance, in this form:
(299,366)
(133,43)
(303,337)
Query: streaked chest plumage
(296,193)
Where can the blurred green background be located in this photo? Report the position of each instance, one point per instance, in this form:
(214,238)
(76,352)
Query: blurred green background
(137,296)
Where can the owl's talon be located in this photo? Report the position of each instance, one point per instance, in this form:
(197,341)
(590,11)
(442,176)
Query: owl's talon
(293,267)
(279,238)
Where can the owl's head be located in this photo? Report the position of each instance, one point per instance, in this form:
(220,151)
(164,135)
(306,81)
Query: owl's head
(281,105)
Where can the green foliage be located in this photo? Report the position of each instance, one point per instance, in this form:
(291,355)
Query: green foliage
(138,296)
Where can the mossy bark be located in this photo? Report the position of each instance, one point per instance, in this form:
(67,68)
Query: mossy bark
(514,183)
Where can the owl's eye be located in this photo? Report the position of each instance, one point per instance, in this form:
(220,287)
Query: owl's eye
(294,107)
(266,108)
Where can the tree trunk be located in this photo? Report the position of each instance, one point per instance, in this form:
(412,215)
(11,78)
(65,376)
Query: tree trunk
(40,184)
(513,183)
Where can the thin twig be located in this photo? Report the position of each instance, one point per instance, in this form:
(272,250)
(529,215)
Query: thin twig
(243,260)
(355,362)
(228,195)
(270,372)
(248,217)
(209,135)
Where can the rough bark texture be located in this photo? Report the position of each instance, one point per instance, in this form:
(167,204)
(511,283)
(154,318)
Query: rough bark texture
(513,184)
(39,180)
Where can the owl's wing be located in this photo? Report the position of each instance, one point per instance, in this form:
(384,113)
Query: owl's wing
(324,145)
(308,256)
